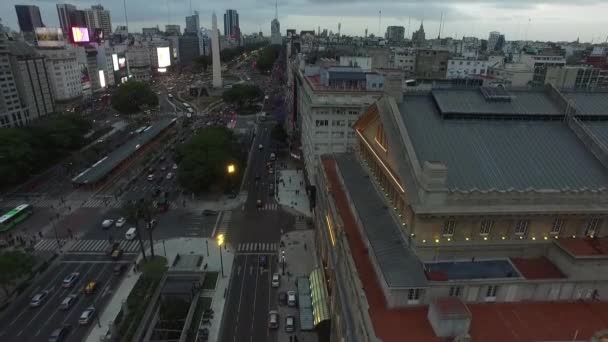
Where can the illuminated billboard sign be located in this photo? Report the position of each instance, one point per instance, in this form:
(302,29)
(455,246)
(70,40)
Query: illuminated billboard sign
(80,35)
(102,79)
(164,56)
(115,62)
(49,37)
(122,62)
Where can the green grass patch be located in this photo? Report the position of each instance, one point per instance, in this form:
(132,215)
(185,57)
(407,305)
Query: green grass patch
(210,281)
(138,300)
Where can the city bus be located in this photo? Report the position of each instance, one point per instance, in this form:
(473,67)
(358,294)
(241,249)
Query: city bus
(186,105)
(13,217)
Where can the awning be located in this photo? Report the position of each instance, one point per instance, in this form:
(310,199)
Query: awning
(318,294)
(305,304)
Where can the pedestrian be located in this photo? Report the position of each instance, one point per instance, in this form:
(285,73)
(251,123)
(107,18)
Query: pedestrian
(40,234)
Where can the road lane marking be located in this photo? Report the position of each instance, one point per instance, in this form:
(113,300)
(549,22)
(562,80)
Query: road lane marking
(238,310)
(255,294)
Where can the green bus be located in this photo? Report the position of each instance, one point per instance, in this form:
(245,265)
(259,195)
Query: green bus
(9,220)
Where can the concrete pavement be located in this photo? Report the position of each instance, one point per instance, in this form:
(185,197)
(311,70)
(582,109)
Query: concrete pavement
(292,191)
(169,249)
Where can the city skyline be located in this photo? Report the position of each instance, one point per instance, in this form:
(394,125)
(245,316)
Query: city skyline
(519,20)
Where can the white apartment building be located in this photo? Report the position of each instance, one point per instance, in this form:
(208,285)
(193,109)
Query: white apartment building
(140,65)
(64,72)
(539,64)
(330,100)
(514,75)
(12,112)
(403,59)
(465,68)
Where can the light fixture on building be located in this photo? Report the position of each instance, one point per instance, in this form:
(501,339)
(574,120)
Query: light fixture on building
(436,240)
(521,237)
(449,239)
(574,236)
(546,238)
(503,237)
(423,241)
(534,238)
(466,238)
(485,238)
(412,234)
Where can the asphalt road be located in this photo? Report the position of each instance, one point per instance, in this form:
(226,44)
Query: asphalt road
(250,299)
(22,323)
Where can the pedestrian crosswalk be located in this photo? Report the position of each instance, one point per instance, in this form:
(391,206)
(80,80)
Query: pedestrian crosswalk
(101,202)
(222,225)
(99,246)
(257,247)
(269,206)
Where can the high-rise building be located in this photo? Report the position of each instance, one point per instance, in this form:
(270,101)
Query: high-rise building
(231,25)
(395,34)
(102,19)
(32,79)
(189,47)
(64,72)
(275,28)
(492,40)
(173,30)
(64,13)
(78,18)
(28,17)
(419,37)
(12,111)
(193,23)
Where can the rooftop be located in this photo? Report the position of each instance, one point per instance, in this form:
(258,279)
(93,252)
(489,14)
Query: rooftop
(497,322)
(471,269)
(500,155)
(398,264)
(537,268)
(105,165)
(585,247)
(588,103)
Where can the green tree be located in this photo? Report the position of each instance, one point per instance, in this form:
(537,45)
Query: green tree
(202,62)
(14,265)
(242,94)
(131,96)
(204,160)
(267,57)
(17,155)
(278,133)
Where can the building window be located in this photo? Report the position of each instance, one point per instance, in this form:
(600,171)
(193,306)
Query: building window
(413,296)
(448,228)
(557,226)
(455,291)
(491,292)
(521,227)
(321,123)
(593,226)
(338,123)
(486,227)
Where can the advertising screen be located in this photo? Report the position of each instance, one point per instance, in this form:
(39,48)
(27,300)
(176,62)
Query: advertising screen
(122,62)
(102,79)
(85,78)
(98,36)
(49,37)
(80,35)
(115,62)
(164,56)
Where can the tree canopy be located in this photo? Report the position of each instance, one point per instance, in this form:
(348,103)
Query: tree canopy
(14,265)
(202,62)
(278,133)
(242,94)
(205,158)
(267,57)
(132,95)
(27,151)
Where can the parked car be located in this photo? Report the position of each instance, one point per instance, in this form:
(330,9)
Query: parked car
(273,319)
(151,177)
(60,334)
(70,280)
(68,302)
(290,324)
(107,224)
(282,298)
(39,298)
(275,280)
(120,222)
(291,298)
(87,315)
(90,288)
(119,269)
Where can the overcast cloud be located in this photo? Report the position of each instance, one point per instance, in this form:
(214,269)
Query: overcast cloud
(518,19)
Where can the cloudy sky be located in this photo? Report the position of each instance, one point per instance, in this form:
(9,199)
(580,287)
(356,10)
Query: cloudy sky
(517,19)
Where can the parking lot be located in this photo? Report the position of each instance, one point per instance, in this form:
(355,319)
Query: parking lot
(20,322)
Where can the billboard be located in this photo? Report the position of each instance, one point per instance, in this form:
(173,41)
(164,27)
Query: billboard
(102,79)
(122,62)
(115,61)
(49,37)
(98,36)
(164,56)
(85,78)
(80,35)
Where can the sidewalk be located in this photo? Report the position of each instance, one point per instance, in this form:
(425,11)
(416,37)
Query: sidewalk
(300,260)
(292,191)
(170,249)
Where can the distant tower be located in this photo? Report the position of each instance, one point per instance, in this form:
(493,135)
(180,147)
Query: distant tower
(275,27)
(366,32)
(215,50)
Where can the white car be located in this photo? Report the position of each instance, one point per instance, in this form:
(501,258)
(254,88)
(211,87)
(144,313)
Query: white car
(273,320)
(275,280)
(291,298)
(174,167)
(38,299)
(107,223)
(290,324)
(260,146)
(151,177)
(120,222)
(86,316)
(70,280)
(169,175)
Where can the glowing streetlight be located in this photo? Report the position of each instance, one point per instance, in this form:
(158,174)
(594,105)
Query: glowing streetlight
(220,242)
(231,169)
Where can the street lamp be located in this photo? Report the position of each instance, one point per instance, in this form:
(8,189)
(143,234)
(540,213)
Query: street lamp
(220,242)
(283,260)
(231,169)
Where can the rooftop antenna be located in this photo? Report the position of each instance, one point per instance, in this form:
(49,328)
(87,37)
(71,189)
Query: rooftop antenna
(527,28)
(276,10)
(124,3)
(366,32)
(190,7)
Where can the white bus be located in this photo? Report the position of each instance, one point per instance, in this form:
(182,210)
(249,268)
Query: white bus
(186,105)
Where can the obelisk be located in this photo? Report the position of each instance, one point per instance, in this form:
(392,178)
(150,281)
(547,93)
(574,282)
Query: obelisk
(215,50)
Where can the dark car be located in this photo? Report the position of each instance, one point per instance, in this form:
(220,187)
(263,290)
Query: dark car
(120,268)
(283,298)
(113,247)
(263,261)
(209,212)
(59,334)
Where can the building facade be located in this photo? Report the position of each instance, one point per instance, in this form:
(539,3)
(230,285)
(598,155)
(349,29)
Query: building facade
(515,75)
(465,68)
(395,34)
(173,30)
(431,64)
(577,77)
(539,62)
(29,19)
(232,29)
(64,72)
(410,220)
(189,48)
(102,19)
(275,32)
(139,61)
(193,23)
(64,12)
(12,112)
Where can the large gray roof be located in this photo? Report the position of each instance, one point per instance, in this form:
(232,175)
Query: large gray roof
(589,103)
(500,155)
(398,264)
(599,129)
(472,101)
(104,166)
